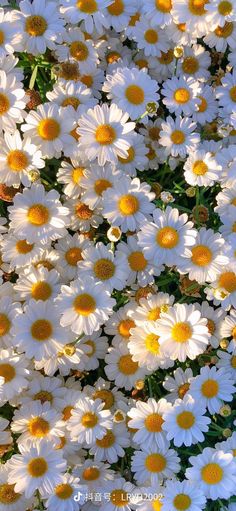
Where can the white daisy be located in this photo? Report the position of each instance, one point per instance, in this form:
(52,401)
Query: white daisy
(145,348)
(70,250)
(78,49)
(228,361)
(82,217)
(194,14)
(13,373)
(158,11)
(89,421)
(223,290)
(212,387)
(9,33)
(10,499)
(95,181)
(221,37)
(75,94)
(12,102)
(37,284)
(221,11)
(64,495)
(178,136)
(178,384)
(137,157)
(9,311)
(70,174)
(152,40)
(118,496)
(147,421)
(195,62)
(153,465)
(119,12)
(91,12)
(207,109)
(215,319)
(182,495)
(111,446)
(19,253)
(180,95)
(201,169)
(228,329)
(121,368)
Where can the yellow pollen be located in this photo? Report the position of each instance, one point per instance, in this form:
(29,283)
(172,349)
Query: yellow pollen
(119,498)
(143,292)
(23,247)
(113,56)
(154,133)
(183,389)
(8,495)
(77,173)
(181,27)
(152,344)
(155,462)
(66,413)
(224,31)
(177,137)
(199,168)
(133,19)
(127,366)
(153,423)
(190,65)
(211,326)
(225,8)
(79,51)
(135,94)
(82,211)
(166,58)
(201,255)
(197,7)
(203,105)
(105,134)
(87,6)
(17,160)
(2,37)
(227,280)
(182,96)
(164,5)
(116,8)
(151,36)
(154,314)
(101,185)
(84,304)
(5,324)
(63,491)
(35,26)
(151,153)
(107,441)
(69,71)
(156,505)
(130,157)
(73,256)
(87,80)
(167,237)
(137,261)
(125,326)
(181,332)
(41,291)
(7,372)
(62,443)
(128,205)
(141,63)
(44,396)
(69,350)
(89,420)
(4,104)
(233,361)
(91,473)
(106,396)
(104,269)
(210,388)
(38,215)
(38,427)
(41,330)
(185,420)
(232,93)
(182,502)
(49,129)
(212,473)
(71,101)
(37,467)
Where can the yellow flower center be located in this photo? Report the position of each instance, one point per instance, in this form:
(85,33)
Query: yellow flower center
(104,269)
(5,325)
(212,473)
(44,396)
(183,389)
(63,491)
(190,65)
(49,129)
(23,247)
(165,58)
(73,256)
(128,205)
(155,462)
(233,333)
(41,330)
(167,237)
(71,101)
(152,344)
(66,413)
(127,366)
(91,473)
(156,505)
(35,25)
(153,423)
(197,7)
(84,304)
(182,502)
(116,8)
(107,441)
(185,420)
(154,133)
(87,6)
(77,173)
(177,137)
(2,37)
(125,326)
(38,214)
(233,361)
(130,157)
(203,105)
(106,396)
(105,134)
(224,31)
(227,280)
(181,332)
(79,50)
(137,261)
(8,495)
(133,19)
(163,5)
(69,350)
(87,80)
(201,255)
(82,211)
(199,168)
(38,427)
(135,94)
(89,420)
(154,314)
(119,498)
(101,185)
(41,291)
(113,56)
(225,7)
(4,104)
(7,372)
(181,27)
(181,96)
(37,467)
(232,93)
(17,160)
(151,36)
(141,63)
(211,326)
(210,388)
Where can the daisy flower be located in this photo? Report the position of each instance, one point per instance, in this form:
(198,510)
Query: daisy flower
(82,217)
(72,94)
(121,368)
(64,495)
(152,40)
(201,169)
(91,12)
(215,318)
(228,361)
(166,239)
(131,90)
(12,102)
(9,311)
(9,33)
(221,11)
(10,499)
(194,14)
(128,205)
(182,332)
(70,174)
(221,37)
(111,446)
(119,12)
(153,465)
(195,63)
(89,421)
(137,157)
(14,374)
(105,133)
(103,390)
(45,390)
(145,348)
(78,49)
(150,308)
(228,329)
(178,136)
(95,475)
(95,181)
(178,384)
(180,95)
(37,284)
(38,216)
(69,250)
(223,290)
(19,253)
(120,324)
(226,93)
(147,421)
(119,495)
(37,467)
(214,472)
(158,11)
(49,127)
(84,305)
(212,387)
(207,108)
(182,495)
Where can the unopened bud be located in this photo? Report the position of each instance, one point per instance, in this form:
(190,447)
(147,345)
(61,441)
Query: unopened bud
(114,234)
(178,52)
(151,107)
(224,344)
(119,416)
(227,433)
(139,384)
(190,192)
(225,411)
(34,175)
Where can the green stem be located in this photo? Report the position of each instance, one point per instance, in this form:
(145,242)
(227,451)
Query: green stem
(150,387)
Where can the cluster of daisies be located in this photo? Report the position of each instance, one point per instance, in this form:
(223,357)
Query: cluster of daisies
(117,255)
